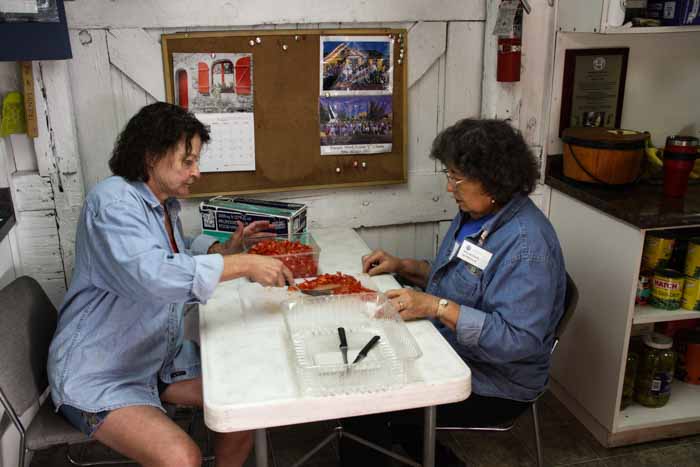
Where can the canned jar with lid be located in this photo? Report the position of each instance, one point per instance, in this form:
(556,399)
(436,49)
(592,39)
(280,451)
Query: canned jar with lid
(667,289)
(630,376)
(658,248)
(691,294)
(692,258)
(655,371)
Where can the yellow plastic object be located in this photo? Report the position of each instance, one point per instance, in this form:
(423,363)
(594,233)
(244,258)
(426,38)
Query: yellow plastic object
(13,120)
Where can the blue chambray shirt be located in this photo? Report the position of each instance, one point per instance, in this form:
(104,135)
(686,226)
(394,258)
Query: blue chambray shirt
(509,311)
(121,323)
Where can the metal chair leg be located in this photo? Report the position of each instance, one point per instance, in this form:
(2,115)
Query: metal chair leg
(538,441)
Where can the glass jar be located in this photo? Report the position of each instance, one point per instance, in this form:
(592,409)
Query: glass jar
(655,371)
(630,376)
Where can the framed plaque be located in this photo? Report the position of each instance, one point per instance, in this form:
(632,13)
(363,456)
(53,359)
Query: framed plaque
(593,88)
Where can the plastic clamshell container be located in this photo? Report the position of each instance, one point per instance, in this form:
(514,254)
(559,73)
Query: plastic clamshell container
(302,265)
(313,322)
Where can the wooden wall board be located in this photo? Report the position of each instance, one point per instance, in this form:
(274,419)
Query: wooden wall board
(286,96)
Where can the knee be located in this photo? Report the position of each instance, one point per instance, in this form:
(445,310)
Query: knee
(185,455)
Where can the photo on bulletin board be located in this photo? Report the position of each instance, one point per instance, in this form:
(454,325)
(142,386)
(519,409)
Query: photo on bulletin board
(356,124)
(356,65)
(218,89)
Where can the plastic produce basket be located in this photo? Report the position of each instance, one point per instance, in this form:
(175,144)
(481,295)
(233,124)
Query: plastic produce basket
(313,324)
(302,264)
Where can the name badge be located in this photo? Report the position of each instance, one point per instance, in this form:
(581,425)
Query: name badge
(474,255)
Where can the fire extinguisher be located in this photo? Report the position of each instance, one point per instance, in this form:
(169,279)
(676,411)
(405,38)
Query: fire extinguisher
(510,41)
(509,52)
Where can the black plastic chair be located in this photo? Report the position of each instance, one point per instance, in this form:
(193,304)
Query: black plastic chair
(570,302)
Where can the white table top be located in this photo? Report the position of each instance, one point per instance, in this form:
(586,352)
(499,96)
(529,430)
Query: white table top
(248,366)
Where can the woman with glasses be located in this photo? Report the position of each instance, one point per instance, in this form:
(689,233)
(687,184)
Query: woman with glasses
(496,288)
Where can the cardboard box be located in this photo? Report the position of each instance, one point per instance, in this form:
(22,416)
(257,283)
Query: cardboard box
(674,12)
(219,215)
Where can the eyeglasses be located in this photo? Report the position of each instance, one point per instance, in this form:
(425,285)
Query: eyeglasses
(451,179)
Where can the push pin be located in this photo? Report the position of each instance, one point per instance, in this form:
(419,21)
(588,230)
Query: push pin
(296,38)
(251,42)
(399,61)
(364,164)
(355,164)
(284,47)
(258,40)
(337,170)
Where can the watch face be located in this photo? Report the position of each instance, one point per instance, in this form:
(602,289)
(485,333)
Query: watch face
(442,302)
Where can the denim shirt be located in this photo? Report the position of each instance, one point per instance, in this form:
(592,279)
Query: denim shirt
(509,311)
(121,323)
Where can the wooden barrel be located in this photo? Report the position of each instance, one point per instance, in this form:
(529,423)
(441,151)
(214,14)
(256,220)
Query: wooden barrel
(603,155)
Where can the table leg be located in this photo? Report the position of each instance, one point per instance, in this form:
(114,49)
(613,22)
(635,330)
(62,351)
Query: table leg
(261,447)
(429,422)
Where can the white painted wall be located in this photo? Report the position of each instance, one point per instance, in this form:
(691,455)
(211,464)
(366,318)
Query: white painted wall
(109,83)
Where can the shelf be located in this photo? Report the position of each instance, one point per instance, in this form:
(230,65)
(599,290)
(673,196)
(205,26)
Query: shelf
(651,29)
(683,406)
(649,314)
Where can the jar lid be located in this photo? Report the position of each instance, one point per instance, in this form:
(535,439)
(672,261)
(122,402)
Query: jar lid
(683,141)
(671,273)
(604,138)
(657,341)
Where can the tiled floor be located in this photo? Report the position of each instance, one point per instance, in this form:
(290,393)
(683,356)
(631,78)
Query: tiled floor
(565,442)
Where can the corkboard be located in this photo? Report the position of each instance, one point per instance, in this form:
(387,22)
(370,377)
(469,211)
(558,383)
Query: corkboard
(286,113)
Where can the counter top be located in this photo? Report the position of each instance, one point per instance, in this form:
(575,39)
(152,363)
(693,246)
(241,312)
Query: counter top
(7,213)
(641,204)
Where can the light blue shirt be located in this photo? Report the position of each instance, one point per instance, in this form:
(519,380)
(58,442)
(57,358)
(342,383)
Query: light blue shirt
(121,324)
(509,311)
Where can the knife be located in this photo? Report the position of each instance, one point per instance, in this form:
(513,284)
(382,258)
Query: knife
(343,344)
(365,350)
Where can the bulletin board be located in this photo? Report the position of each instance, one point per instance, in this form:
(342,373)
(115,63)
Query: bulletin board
(286,87)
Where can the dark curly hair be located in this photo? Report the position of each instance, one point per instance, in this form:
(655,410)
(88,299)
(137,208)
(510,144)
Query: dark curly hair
(491,152)
(149,135)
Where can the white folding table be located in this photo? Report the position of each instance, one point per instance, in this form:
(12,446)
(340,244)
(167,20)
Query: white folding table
(248,365)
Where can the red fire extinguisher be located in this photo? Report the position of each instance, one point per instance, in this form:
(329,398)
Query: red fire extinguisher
(508,68)
(510,42)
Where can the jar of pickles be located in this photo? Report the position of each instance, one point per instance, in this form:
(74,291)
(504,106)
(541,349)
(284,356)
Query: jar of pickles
(630,375)
(655,371)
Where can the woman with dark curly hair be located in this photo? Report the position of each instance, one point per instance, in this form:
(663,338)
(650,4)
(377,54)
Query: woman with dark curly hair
(119,350)
(496,288)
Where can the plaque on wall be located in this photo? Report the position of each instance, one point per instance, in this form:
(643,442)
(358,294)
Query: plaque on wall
(593,88)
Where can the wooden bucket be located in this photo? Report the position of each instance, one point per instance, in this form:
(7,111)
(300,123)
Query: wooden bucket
(602,155)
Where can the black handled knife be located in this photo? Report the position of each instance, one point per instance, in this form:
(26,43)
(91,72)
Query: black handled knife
(365,350)
(343,344)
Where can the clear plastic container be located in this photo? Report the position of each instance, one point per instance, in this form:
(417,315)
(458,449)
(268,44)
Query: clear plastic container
(302,264)
(313,324)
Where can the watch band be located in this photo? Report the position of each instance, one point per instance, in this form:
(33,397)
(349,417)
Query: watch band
(441,308)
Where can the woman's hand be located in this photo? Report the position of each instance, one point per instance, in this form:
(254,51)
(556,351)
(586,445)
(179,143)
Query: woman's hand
(380,262)
(266,271)
(412,304)
(235,243)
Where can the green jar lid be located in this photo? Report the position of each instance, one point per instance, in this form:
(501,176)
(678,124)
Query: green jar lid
(663,234)
(657,341)
(670,273)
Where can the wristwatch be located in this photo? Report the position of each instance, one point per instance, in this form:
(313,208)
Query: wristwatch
(442,307)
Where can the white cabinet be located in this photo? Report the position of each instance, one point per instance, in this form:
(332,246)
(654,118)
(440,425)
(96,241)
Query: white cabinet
(603,255)
(603,16)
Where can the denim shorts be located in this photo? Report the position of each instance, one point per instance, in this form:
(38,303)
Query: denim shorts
(89,422)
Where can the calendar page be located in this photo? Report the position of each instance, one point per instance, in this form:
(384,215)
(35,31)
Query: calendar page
(232,144)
